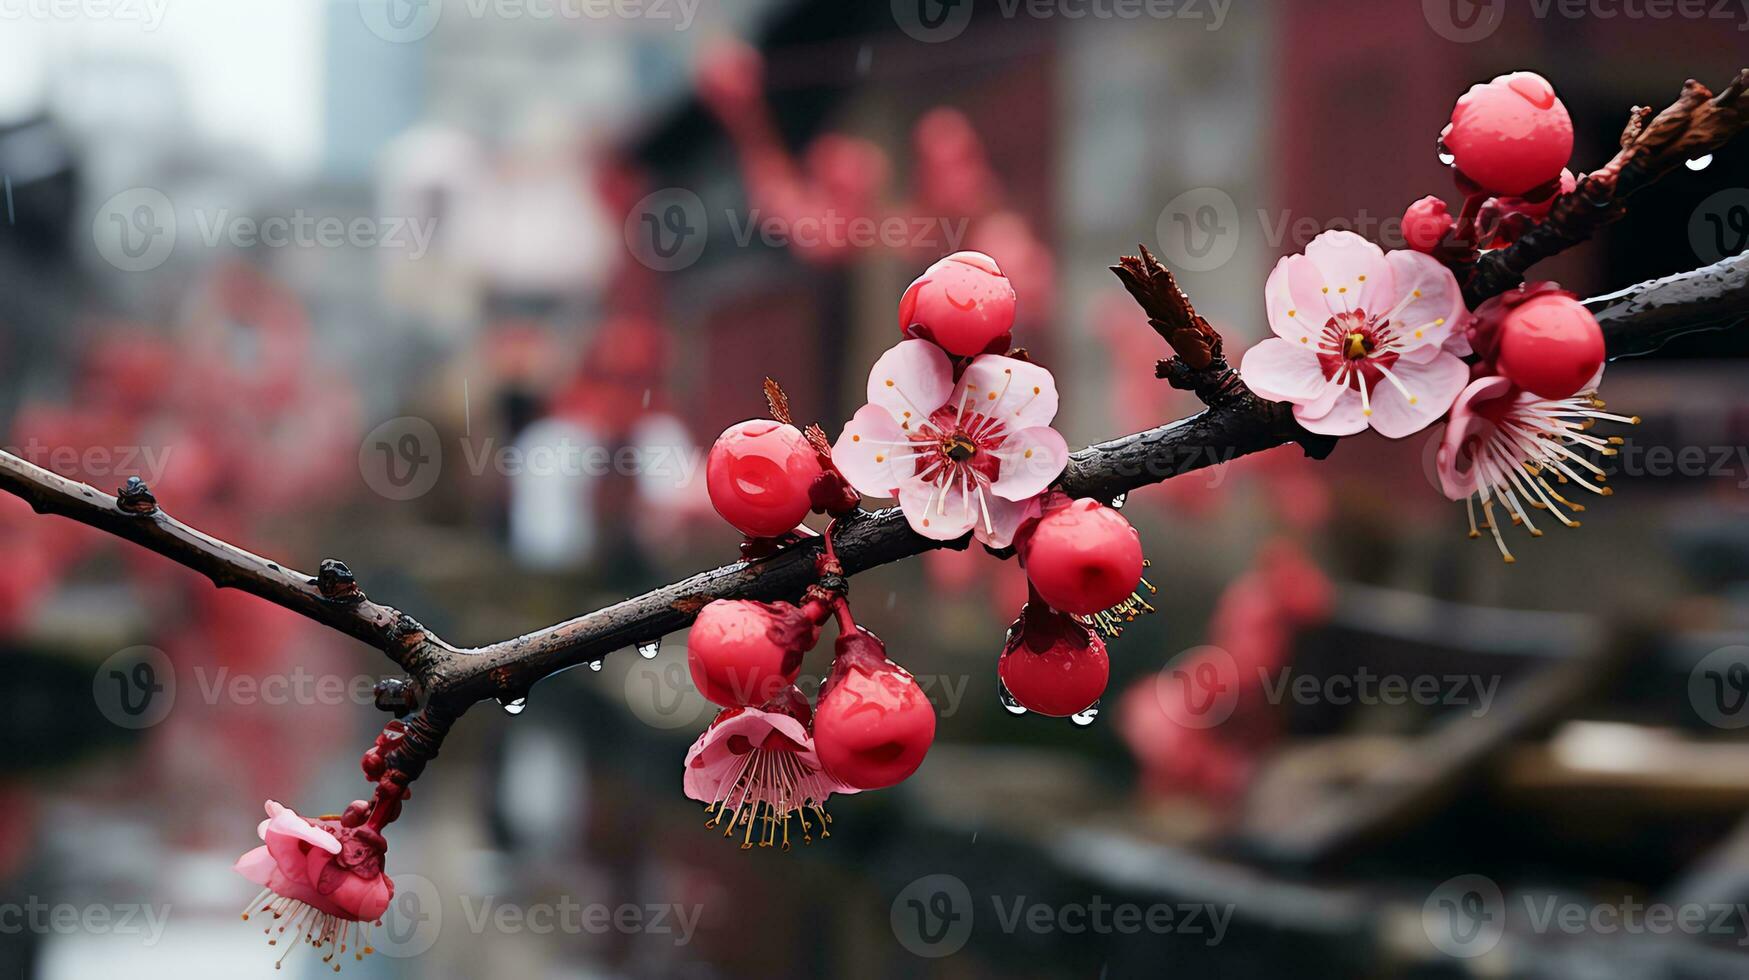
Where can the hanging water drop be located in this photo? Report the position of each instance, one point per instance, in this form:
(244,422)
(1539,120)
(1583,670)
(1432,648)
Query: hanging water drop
(1700,163)
(513,706)
(1009,703)
(594,665)
(648,649)
(1118,501)
(1087,716)
(1447,157)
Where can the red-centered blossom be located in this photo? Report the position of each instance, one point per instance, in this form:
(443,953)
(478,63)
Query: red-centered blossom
(1509,446)
(967,456)
(1359,338)
(322,880)
(756,768)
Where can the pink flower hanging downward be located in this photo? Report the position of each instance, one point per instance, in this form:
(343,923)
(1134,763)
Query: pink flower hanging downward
(1359,338)
(318,878)
(757,766)
(1508,445)
(967,456)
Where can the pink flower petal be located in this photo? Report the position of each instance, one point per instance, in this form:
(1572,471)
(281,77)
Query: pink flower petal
(911,380)
(1283,371)
(1458,477)
(1016,393)
(257,866)
(1434,314)
(1006,516)
(1433,386)
(1032,459)
(864,452)
(1354,270)
(288,823)
(1344,418)
(937,514)
(1295,300)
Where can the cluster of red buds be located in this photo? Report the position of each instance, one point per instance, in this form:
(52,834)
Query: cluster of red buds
(958,429)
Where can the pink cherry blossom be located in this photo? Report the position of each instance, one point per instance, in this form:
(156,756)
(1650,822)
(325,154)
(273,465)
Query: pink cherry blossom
(1359,338)
(321,880)
(971,455)
(756,767)
(1507,445)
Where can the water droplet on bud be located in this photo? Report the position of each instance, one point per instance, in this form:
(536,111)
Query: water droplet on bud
(1012,706)
(513,706)
(1700,163)
(648,649)
(1087,716)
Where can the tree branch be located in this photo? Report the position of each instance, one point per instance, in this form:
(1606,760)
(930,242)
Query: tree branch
(451,678)
(444,680)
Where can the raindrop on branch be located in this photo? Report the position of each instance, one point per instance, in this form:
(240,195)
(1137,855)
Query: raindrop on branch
(1700,163)
(649,648)
(1118,501)
(514,706)
(595,665)
(1447,158)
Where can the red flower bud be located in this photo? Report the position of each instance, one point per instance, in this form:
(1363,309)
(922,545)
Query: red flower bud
(962,303)
(1053,664)
(1510,135)
(760,474)
(1083,557)
(746,653)
(873,725)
